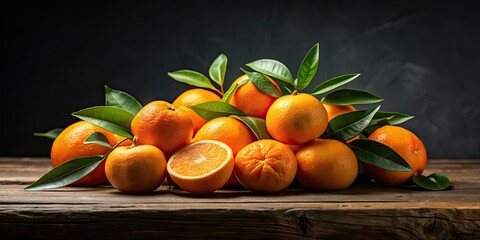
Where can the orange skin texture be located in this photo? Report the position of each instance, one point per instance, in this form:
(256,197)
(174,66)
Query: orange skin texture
(407,145)
(193,97)
(139,169)
(326,164)
(69,145)
(335,110)
(296,119)
(229,131)
(164,126)
(265,166)
(252,101)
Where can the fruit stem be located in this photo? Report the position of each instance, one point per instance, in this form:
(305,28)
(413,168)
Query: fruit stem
(134,141)
(295,92)
(171,107)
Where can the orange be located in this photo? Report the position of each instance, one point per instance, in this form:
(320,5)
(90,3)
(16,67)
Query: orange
(265,166)
(69,145)
(335,110)
(251,100)
(407,145)
(125,143)
(326,164)
(164,126)
(201,167)
(136,169)
(193,97)
(230,131)
(294,148)
(296,119)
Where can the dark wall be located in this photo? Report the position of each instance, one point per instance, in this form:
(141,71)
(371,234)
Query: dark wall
(421,56)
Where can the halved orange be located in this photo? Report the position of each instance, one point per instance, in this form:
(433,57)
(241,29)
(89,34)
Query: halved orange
(201,167)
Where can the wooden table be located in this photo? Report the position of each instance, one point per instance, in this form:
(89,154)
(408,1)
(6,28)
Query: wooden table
(362,211)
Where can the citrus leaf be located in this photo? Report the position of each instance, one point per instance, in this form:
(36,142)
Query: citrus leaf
(257,125)
(67,173)
(211,110)
(193,78)
(262,83)
(113,119)
(345,97)
(434,181)
(98,138)
(272,68)
(52,134)
(308,67)
(285,89)
(120,99)
(218,68)
(333,83)
(386,118)
(231,91)
(348,125)
(378,154)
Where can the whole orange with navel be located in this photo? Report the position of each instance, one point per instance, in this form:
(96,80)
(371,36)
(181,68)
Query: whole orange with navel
(136,168)
(251,100)
(296,118)
(193,97)
(164,126)
(69,145)
(407,145)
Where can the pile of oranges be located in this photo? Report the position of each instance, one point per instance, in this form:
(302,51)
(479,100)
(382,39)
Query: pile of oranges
(174,143)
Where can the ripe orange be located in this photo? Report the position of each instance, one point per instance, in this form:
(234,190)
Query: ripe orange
(229,131)
(407,145)
(335,110)
(251,100)
(193,97)
(296,119)
(164,126)
(136,169)
(265,166)
(69,145)
(201,167)
(326,164)
(125,143)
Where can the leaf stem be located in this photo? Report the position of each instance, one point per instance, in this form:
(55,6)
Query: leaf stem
(218,91)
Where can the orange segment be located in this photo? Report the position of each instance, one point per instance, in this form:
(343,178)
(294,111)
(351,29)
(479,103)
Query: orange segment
(201,167)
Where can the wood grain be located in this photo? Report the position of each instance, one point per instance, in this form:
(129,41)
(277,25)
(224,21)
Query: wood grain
(364,211)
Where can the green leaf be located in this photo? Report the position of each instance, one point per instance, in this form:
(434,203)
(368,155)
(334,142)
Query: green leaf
(348,125)
(378,154)
(333,83)
(52,134)
(193,78)
(99,139)
(434,181)
(386,118)
(211,110)
(231,91)
(218,68)
(117,98)
(113,119)
(67,173)
(345,97)
(257,125)
(262,83)
(272,68)
(308,67)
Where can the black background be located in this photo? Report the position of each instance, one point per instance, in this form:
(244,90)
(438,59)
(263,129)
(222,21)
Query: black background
(421,56)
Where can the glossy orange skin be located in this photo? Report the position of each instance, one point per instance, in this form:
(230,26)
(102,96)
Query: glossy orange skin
(193,97)
(251,100)
(326,164)
(265,166)
(296,119)
(164,126)
(69,145)
(407,145)
(138,169)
